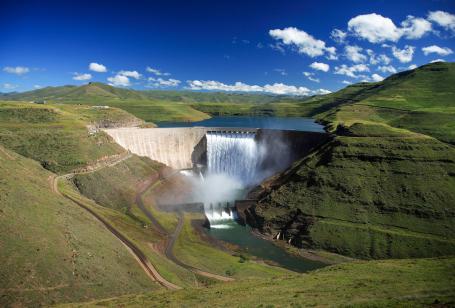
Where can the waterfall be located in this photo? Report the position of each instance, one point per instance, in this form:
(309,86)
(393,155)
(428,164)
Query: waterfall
(233,159)
(234,154)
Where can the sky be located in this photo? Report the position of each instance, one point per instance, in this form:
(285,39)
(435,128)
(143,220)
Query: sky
(278,47)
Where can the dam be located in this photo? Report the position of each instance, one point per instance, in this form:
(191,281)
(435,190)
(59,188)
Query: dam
(219,166)
(186,147)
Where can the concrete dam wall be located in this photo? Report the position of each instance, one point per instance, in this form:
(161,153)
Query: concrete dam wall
(182,148)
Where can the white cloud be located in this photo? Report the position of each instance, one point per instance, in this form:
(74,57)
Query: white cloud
(351,71)
(119,81)
(377,77)
(322,91)
(387,69)
(305,43)
(18,70)
(132,74)
(281,71)
(96,67)
(311,77)
(415,28)
(37,86)
(80,77)
(9,86)
(353,53)
(276,88)
(374,28)
(346,82)
(156,72)
(444,19)
(412,66)
(378,59)
(338,35)
(160,82)
(403,55)
(320,66)
(437,60)
(442,51)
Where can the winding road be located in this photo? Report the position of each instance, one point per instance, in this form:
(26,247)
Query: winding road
(140,257)
(172,237)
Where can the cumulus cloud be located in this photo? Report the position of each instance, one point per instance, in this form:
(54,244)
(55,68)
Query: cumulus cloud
(156,72)
(160,82)
(322,91)
(346,82)
(353,53)
(9,86)
(442,51)
(338,36)
(119,81)
(132,74)
(444,19)
(437,60)
(18,70)
(311,77)
(320,66)
(403,55)
(37,86)
(351,71)
(276,88)
(412,66)
(96,67)
(304,42)
(378,59)
(415,28)
(377,77)
(374,28)
(387,69)
(81,77)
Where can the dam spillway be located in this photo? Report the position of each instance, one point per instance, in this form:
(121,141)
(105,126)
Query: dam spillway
(235,154)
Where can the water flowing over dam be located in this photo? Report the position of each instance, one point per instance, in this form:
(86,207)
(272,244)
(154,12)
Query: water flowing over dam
(237,155)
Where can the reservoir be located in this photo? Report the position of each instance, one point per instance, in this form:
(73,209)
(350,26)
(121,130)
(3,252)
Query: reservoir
(294,123)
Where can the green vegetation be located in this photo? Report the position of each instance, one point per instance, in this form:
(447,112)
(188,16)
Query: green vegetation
(381,188)
(403,283)
(192,250)
(57,135)
(53,251)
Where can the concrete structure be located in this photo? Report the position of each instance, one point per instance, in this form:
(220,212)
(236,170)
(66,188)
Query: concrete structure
(182,148)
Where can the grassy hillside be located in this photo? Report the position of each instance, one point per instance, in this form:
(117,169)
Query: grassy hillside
(52,250)
(404,283)
(57,135)
(381,188)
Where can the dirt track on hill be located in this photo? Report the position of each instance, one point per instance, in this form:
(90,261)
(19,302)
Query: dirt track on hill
(140,257)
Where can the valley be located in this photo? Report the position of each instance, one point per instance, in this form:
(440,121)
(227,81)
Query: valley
(131,206)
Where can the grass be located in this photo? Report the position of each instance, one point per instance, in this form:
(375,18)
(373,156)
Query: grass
(52,250)
(397,283)
(57,135)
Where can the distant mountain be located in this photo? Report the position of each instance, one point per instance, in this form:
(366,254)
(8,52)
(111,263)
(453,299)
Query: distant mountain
(99,91)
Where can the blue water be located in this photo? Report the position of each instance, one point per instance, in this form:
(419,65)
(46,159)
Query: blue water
(300,124)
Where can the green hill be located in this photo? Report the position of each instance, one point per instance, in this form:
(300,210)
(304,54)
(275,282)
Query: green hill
(51,249)
(57,135)
(391,283)
(381,188)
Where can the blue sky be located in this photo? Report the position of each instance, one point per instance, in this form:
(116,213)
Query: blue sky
(282,47)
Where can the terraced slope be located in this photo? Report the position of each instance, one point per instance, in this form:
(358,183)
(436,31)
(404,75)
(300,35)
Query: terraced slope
(52,250)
